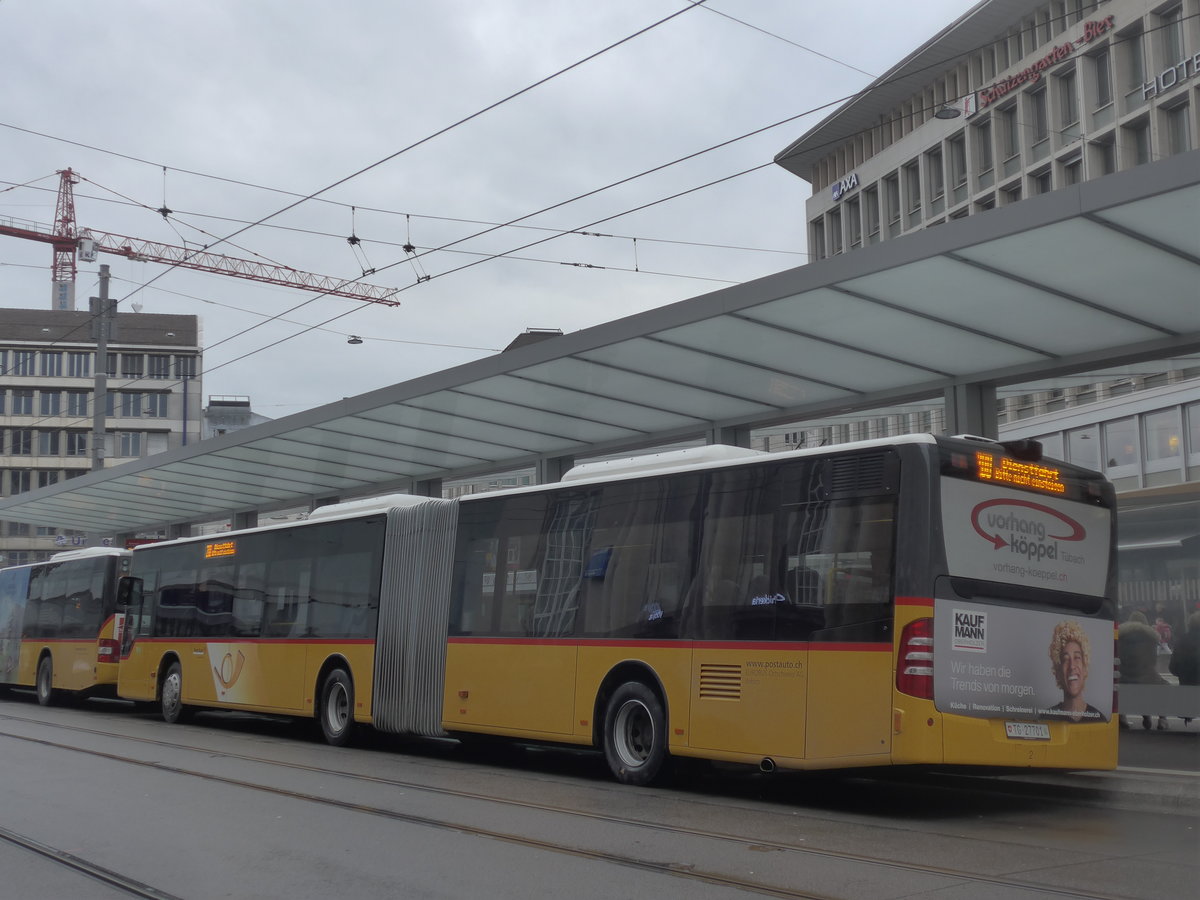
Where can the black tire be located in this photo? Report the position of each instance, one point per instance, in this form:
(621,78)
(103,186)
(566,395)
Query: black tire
(171,696)
(335,711)
(45,681)
(635,734)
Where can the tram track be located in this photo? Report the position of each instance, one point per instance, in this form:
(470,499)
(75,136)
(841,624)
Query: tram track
(656,866)
(90,870)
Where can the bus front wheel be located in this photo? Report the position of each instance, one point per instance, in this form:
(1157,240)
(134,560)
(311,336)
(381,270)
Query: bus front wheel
(635,734)
(335,711)
(45,681)
(171,696)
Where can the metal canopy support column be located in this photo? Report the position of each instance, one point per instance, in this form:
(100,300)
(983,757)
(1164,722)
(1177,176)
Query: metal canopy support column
(971,409)
(733,436)
(430,487)
(245,520)
(550,469)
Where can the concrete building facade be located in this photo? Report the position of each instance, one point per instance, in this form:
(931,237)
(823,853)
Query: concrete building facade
(47,405)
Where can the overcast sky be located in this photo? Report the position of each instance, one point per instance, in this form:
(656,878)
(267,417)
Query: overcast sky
(251,105)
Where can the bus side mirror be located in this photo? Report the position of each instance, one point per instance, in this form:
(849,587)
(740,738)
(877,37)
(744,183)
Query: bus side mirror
(129,592)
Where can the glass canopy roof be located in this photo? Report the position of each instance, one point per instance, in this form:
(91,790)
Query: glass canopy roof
(1104,272)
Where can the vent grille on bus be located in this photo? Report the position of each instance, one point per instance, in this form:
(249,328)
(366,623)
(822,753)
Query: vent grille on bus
(719,682)
(862,474)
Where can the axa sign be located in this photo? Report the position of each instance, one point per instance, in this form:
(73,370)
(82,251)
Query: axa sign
(845,186)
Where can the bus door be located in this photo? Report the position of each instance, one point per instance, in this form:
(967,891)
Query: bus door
(846,547)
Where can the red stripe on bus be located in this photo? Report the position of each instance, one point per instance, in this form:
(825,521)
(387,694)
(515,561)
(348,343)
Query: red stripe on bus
(914,601)
(234,640)
(883,647)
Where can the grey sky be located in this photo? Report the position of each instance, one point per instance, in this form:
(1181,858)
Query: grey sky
(297,94)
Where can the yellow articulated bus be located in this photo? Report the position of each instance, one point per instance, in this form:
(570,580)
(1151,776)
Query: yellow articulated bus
(920,600)
(60,625)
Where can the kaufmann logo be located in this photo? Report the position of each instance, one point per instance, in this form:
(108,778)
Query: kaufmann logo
(970,631)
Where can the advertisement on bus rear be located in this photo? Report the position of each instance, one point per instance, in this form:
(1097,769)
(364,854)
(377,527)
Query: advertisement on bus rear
(995,534)
(1003,662)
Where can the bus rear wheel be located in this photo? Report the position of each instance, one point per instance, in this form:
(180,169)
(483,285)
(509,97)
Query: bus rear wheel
(335,709)
(171,696)
(45,681)
(635,734)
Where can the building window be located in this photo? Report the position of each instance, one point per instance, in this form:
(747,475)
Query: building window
(1040,183)
(45,479)
(935,167)
(854,221)
(1137,141)
(48,443)
(129,443)
(1072,171)
(22,402)
(1171,30)
(111,367)
(77,403)
(1120,443)
(51,364)
(891,196)
(1010,194)
(20,442)
(870,205)
(817,241)
(912,189)
(1102,155)
(79,365)
(23,362)
(1039,120)
(3,395)
(51,403)
(1101,62)
(19,482)
(1179,137)
(835,232)
(185,367)
(1083,447)
(77,443)
(131,365)
(1162,434)
(154,406)
(1010,136)
(1132,60)
(159,366)
(1068,101)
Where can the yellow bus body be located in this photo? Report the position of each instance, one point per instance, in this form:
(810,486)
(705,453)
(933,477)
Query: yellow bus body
(279,677)
(75,664)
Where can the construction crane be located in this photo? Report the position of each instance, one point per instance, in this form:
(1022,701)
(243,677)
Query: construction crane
(69,242)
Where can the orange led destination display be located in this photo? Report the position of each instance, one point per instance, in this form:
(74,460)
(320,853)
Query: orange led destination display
(1004,470)
(220,548)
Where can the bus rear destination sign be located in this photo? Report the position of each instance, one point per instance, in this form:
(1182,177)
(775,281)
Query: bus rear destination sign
(1004,470)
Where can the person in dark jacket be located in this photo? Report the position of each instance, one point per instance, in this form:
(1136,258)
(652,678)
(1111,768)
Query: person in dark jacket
(1185,661)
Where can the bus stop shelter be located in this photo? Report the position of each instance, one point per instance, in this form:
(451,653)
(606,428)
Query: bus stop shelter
(1103,273)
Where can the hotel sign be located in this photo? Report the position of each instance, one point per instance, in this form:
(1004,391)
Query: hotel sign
(1033,74)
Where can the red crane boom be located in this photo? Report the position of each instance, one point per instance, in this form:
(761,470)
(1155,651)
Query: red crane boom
(67,240)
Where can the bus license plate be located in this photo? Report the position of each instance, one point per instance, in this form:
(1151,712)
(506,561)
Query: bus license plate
(1027,731)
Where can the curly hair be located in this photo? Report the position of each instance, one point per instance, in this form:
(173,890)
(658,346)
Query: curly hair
(1064,633)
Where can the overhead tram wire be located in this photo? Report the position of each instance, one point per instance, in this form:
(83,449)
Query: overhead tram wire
(464,120)
(514,223)
(832,142)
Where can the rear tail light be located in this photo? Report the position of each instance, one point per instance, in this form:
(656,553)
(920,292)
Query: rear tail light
(914,673)
(108,650)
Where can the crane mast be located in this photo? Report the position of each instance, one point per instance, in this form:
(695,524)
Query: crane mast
(67,241)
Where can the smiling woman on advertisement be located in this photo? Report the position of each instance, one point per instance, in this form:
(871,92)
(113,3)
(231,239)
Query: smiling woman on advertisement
(1070,654)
